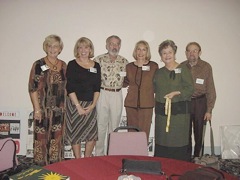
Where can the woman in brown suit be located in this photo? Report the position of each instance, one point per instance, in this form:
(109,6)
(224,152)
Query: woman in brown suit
(139,101)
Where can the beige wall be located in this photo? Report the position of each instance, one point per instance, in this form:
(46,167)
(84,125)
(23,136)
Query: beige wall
(213,23)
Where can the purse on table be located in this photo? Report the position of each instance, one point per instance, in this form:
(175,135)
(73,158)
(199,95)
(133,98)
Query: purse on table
(141,166)
(203,173)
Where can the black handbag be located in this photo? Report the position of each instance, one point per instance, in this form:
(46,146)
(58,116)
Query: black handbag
(204,173)
(141,166)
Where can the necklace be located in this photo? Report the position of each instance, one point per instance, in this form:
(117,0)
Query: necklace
(53,65)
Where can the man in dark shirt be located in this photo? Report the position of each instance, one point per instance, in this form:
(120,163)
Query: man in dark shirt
(204,96)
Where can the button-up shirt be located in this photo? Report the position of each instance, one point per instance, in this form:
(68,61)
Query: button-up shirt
(112,73)
(203,82)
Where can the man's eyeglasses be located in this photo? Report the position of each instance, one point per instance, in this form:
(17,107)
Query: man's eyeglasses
(193,51)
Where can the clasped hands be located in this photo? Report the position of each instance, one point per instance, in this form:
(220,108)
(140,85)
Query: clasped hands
(84,111)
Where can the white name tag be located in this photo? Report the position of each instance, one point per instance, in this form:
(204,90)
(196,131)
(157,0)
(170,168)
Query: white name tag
(199,81)
(146,68)
(93,70)
(178,70)
(123,74)
(44,67)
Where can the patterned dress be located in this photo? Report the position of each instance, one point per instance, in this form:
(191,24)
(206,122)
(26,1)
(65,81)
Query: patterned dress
(48,134)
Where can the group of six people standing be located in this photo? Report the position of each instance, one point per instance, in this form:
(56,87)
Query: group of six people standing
(82,101)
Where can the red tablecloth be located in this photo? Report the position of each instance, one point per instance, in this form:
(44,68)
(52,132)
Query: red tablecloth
(107,168)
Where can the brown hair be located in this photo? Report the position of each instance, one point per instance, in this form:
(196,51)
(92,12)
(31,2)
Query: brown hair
(193,43)
(165,44)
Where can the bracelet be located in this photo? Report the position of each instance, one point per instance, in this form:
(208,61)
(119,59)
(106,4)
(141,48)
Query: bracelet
(38,111)
(77,104)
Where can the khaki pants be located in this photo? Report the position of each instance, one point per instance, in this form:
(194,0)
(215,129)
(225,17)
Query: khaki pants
(109,112)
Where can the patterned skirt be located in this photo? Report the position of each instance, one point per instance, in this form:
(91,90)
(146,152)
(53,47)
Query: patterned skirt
(80,128)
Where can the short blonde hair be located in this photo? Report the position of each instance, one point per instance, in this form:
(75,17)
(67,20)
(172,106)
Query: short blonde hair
(50,40)
(83,41)
(148,57)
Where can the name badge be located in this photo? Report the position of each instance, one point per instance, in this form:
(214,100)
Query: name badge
(44,67)
(123,74)
(93,70)
(178,70)
(199,81)
(146,68)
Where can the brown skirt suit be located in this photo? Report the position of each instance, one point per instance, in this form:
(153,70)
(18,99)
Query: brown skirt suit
(139,101)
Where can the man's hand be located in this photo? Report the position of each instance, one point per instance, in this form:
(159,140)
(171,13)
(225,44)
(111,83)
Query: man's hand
(208,116)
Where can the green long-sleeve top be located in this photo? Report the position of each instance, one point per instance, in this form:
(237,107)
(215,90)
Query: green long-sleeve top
(166,81)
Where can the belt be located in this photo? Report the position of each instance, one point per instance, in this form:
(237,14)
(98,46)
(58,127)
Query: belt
(112,90)
(199,97)
(181,107)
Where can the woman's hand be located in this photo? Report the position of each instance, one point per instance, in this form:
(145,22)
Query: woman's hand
(172,94)
(89,109)
(37,115)
(80,110)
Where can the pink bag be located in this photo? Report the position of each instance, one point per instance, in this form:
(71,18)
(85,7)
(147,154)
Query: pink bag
(8,158)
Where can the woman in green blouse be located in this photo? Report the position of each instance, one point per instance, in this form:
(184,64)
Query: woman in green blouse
(173,87)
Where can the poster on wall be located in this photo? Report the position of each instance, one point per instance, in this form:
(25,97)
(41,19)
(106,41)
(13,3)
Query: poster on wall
(10,126)
(30,136)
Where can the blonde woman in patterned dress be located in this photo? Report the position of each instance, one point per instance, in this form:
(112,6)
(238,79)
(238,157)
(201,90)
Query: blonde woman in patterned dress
(47,92)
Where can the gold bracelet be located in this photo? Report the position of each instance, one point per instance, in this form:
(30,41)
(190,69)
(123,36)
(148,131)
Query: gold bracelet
(38,111)
(77,104)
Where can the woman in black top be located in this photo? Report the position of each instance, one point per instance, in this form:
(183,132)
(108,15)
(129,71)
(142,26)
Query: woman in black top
(83,87)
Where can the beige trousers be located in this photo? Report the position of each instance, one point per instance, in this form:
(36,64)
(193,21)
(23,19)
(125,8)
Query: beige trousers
(109,112)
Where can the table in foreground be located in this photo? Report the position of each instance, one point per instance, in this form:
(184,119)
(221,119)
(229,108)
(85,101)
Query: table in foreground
(107,168)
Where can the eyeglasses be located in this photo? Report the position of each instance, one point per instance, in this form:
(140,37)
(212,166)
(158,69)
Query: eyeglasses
(193,51)
(114,44)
